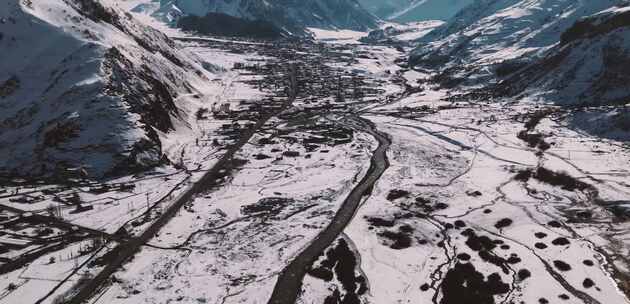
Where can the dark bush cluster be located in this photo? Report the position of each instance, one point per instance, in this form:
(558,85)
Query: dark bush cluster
(558,179)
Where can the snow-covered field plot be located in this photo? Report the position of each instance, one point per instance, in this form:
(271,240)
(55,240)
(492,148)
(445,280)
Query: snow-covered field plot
(228,245)
(43,219)
(222,57)
(456,215)
(99,206)
(337,36)
(396,86)
(416,30)
(400,35)
(54,275)
(123,202)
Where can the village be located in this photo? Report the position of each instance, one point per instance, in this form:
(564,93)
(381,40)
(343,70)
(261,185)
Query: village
(70,217)
(334,151)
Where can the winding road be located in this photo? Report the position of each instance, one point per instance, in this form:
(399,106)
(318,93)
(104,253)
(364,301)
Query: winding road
(126,250)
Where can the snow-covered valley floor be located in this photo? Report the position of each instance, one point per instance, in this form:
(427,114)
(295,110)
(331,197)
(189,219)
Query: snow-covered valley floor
(480,203)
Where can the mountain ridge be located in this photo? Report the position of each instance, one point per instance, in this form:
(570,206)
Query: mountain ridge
(293,16)
(469,47)
(97,91)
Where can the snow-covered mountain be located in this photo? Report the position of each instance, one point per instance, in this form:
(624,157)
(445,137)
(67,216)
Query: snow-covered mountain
(588,66)
(84,84)
(401,34)
(385,8)
(165,12)
(415,10)
(571,53)
(489,32)
(420,10)
(291,15)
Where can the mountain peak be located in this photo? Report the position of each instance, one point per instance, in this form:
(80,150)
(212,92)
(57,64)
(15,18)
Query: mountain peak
(291,15)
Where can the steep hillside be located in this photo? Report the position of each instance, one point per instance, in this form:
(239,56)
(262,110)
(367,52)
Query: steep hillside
(415,10)
(588,67)
(587,70)
(83,85)
(421,10)
(163,11)
(225,25)
(385,8)
(401,33)
(291,15)
(491,31)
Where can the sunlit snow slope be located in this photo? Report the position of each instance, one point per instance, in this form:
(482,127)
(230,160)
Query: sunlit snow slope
(84,85)
(589,66)
(415,10)
(421,10)
(491,31)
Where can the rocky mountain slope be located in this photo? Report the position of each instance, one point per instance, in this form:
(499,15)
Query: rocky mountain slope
(225,25)
(421,10)
(82,84)
(291,15)
(587,69)
(401,34)
(589,64)
(474,42)
(415,10)
(385,8)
